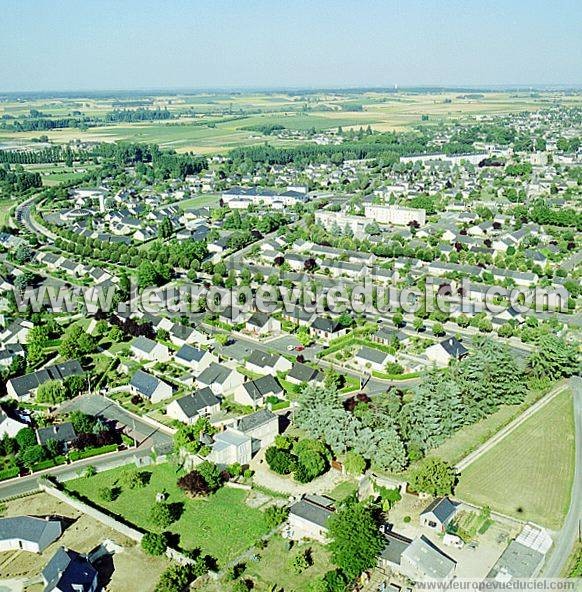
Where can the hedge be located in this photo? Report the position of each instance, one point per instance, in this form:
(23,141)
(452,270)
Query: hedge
(47,464)
(9,473)
(80,454)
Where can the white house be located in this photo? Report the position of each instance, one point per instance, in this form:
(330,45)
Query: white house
(264,363)
(445,351)
(195,359)
(221,379)
(9,426)
(261,323)
(262,426)
(150,387)
(255,392)
(308,518)
(202,403)
(27,533)
(149,350)
(231,446)
(368,358)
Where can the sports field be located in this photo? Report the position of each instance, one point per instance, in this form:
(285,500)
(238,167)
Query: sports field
(529,473)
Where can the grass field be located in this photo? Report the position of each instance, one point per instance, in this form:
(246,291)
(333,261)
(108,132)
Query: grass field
(216,122)
(222,525)
(529,473)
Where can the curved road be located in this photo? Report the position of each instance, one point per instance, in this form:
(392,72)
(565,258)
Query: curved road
(567,536)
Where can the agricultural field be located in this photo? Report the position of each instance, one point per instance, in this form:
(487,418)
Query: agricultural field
(529,473)
(211,123)
(222,525)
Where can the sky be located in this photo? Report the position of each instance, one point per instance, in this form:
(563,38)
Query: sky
(154,44)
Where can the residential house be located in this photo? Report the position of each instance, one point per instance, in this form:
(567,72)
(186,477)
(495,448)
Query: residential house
(264,363)
(69,571)
(195,359)
(327,329)
(391,555)
(298,315)
(231,446)
(262,426)
(16,332)
(63,434)
(9,352)
(150,387)
(146,349)
(438,514)
(261,323)
(256,392)
(28,533)
(445,351)
(221,379)
(368,358)
(9,426)
(23,387)
(304,374)
(308,518)
(422,560)
(181,335)
(202,403)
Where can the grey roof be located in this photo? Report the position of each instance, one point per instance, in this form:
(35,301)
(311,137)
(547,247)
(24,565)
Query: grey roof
(192,404)
(262,387)
(442,508)
(262,359)
(29,528)
(214,374)
(145,383)
(143,343)
(314,509)
(303,372)
(517,561)
(181,331)
(24,384)
(255,420)
(454,347)
(190,354)
(372,355)
(394,546)
(325,324)
(259,319)
(69,571)
(428,559)
(63,432)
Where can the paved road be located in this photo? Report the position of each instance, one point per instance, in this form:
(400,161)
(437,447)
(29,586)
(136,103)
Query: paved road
(501,434)
(566,538)
(100,406)
(23,216)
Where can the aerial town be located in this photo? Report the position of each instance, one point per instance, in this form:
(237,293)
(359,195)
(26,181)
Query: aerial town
(273,333)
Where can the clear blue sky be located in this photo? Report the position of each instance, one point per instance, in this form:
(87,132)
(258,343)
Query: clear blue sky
(129,44)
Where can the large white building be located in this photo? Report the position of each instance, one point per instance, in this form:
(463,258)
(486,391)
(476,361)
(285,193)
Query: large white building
(397,215)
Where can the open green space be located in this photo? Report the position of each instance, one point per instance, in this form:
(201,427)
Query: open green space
(222,525)
(529,473)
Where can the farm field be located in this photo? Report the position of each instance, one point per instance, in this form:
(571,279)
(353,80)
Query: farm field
(529,473)
(221,525)
(217,122)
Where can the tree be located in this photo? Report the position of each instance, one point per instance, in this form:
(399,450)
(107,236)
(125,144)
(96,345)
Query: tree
(211,474)
(154,544)
(279,461)
(438,330)
(354,464)
(398,319)
(275,515)
(355,538)
(177,578)
(77,342)
(32,456)
(433,475)
(25,438)
(161,514)
(51,392)
(554,358)
(133,479)
(194,484)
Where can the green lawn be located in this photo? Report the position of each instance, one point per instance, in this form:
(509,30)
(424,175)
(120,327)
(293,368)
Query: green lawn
(529,473)
(222,525)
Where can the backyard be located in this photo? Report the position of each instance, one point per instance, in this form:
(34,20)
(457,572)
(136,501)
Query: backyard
(222,525)
(528,474)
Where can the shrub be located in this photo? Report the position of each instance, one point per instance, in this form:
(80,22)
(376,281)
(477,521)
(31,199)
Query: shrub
(161,514)
(275,515)
(194,484)
(154,544)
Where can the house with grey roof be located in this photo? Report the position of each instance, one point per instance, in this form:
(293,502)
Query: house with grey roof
(325,329)
(148,350)
(304,374)
(194,358)
(262,426)
(263,363)
(438,514)
(261,323)
(9,426)
(422,560)
(221,379)
(69,571)
(368,358)
(308,518)
(24,387)
(229,447)
(28,533)
(149,387)
(202,403)
(445,351)
(394,545)
(62,433)
(256,392)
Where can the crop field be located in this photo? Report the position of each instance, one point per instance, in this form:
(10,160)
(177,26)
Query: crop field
(211,123)
(529,473)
